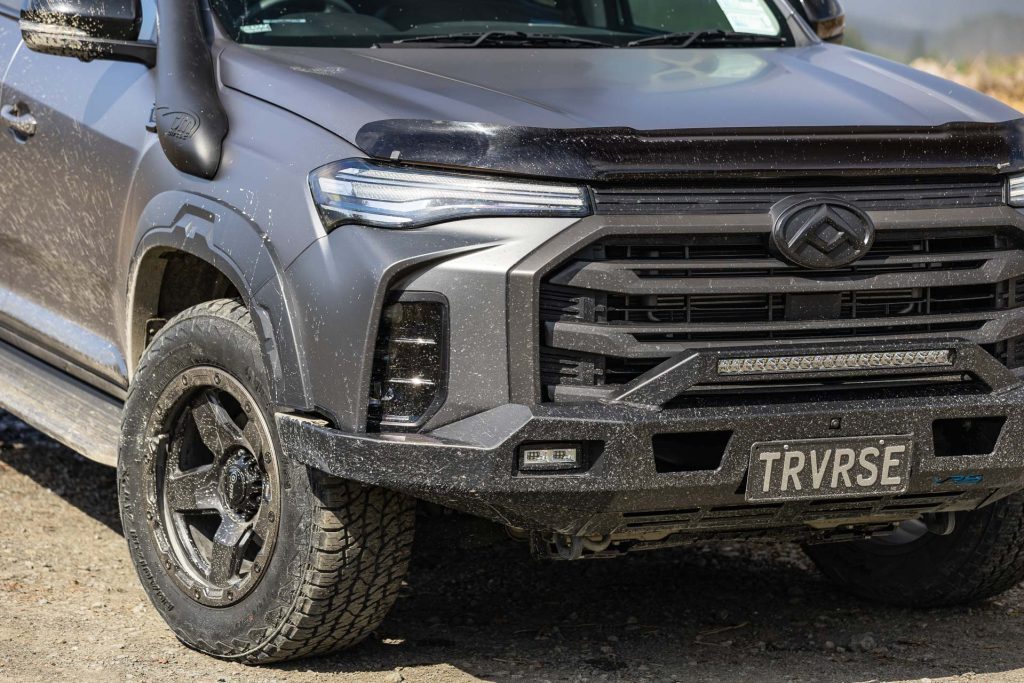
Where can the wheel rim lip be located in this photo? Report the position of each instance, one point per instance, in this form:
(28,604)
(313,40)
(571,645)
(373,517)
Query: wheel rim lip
(180,555)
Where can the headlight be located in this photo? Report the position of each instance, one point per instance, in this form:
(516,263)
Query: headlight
(1016,195)
(356,191)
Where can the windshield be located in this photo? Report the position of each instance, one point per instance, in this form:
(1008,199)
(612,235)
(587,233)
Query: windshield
(502,23)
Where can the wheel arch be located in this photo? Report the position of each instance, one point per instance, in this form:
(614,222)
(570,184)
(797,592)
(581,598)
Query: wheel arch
(217,239)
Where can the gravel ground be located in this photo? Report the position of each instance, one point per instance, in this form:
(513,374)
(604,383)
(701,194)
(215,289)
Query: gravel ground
(476,608)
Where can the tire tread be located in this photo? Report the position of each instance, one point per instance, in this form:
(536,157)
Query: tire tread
(983,558)
(360,541)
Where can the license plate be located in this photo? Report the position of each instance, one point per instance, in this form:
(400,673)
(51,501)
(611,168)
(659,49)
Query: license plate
(829,468)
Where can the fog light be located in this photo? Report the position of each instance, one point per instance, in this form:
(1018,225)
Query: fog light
(773,365)
(409,372)
(541,457)
(1016,196)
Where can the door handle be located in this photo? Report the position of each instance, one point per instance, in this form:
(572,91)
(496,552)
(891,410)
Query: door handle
(18,119)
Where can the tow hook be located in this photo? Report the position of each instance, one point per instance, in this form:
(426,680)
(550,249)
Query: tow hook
(940,523)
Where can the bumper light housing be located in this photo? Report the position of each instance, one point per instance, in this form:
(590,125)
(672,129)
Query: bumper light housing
(410,365)
(551,457)
(774,365)
(1015,194)
(362,192)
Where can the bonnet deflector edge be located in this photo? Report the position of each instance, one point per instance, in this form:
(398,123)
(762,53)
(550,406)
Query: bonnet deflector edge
(596,154)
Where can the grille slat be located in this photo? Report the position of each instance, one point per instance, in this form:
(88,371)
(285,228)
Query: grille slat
(882,196)
(663,341)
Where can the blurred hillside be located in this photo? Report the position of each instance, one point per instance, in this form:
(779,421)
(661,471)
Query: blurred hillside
(978,43)
(1002,78)
(939,29)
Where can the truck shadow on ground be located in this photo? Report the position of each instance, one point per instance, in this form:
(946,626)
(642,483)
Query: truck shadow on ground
(720,611)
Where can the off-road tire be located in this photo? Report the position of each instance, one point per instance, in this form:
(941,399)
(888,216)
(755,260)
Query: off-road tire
(342,549)
(981,558)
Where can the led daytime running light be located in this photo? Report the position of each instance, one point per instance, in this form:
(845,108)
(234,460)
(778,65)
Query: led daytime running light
(365,193)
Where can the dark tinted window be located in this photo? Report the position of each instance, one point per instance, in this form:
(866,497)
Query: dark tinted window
(363,23)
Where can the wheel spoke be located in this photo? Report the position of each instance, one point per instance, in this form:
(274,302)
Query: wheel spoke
(253,438)
(227,552)
(261,525)
(193,491)
(216,428)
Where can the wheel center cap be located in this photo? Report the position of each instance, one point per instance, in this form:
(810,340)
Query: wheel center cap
(241,484)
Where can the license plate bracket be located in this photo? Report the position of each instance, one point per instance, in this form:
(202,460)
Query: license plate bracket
(848,467)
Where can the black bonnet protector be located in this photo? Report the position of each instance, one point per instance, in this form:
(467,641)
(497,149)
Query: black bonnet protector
(610,154)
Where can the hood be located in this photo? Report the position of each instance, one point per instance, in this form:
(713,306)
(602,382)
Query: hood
(737,90)
(642,89)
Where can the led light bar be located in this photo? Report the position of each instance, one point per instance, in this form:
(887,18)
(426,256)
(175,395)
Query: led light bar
(1016,196)
(773,365)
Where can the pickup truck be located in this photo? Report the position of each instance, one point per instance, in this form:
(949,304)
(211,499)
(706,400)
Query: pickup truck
(614,274)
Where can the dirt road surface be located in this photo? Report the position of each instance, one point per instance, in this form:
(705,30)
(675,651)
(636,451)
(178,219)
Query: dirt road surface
(476,608)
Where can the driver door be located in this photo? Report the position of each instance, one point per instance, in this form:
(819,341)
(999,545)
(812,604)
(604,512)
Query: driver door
(64,203)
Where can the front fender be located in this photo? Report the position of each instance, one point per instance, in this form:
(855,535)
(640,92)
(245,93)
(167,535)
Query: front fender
(238,248)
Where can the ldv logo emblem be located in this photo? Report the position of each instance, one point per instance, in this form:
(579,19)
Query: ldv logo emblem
(820,232)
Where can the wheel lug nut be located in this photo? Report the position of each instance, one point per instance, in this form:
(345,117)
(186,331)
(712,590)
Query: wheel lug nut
(216,380)
(247,407)
(271,516)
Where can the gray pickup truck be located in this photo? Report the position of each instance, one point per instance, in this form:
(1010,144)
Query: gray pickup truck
(614,274)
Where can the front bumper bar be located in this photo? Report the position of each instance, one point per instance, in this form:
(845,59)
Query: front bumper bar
(471,465)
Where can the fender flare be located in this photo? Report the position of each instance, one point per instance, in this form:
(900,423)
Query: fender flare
(233,244)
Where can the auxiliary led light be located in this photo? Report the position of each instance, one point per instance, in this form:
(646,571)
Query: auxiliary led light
(551,457)
(773,365)
(1017,191)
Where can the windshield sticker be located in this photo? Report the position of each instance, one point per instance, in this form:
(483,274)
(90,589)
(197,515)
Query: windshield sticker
(257,28)
(750,16)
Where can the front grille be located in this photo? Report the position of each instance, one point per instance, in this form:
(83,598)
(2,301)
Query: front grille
(876,195)
(1009,352)
(624,304)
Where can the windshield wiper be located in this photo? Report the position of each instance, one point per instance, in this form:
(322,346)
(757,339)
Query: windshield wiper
(496,39)
(716,38)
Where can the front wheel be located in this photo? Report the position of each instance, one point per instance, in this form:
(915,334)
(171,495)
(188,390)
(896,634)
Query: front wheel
(982,557)
(246,554)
